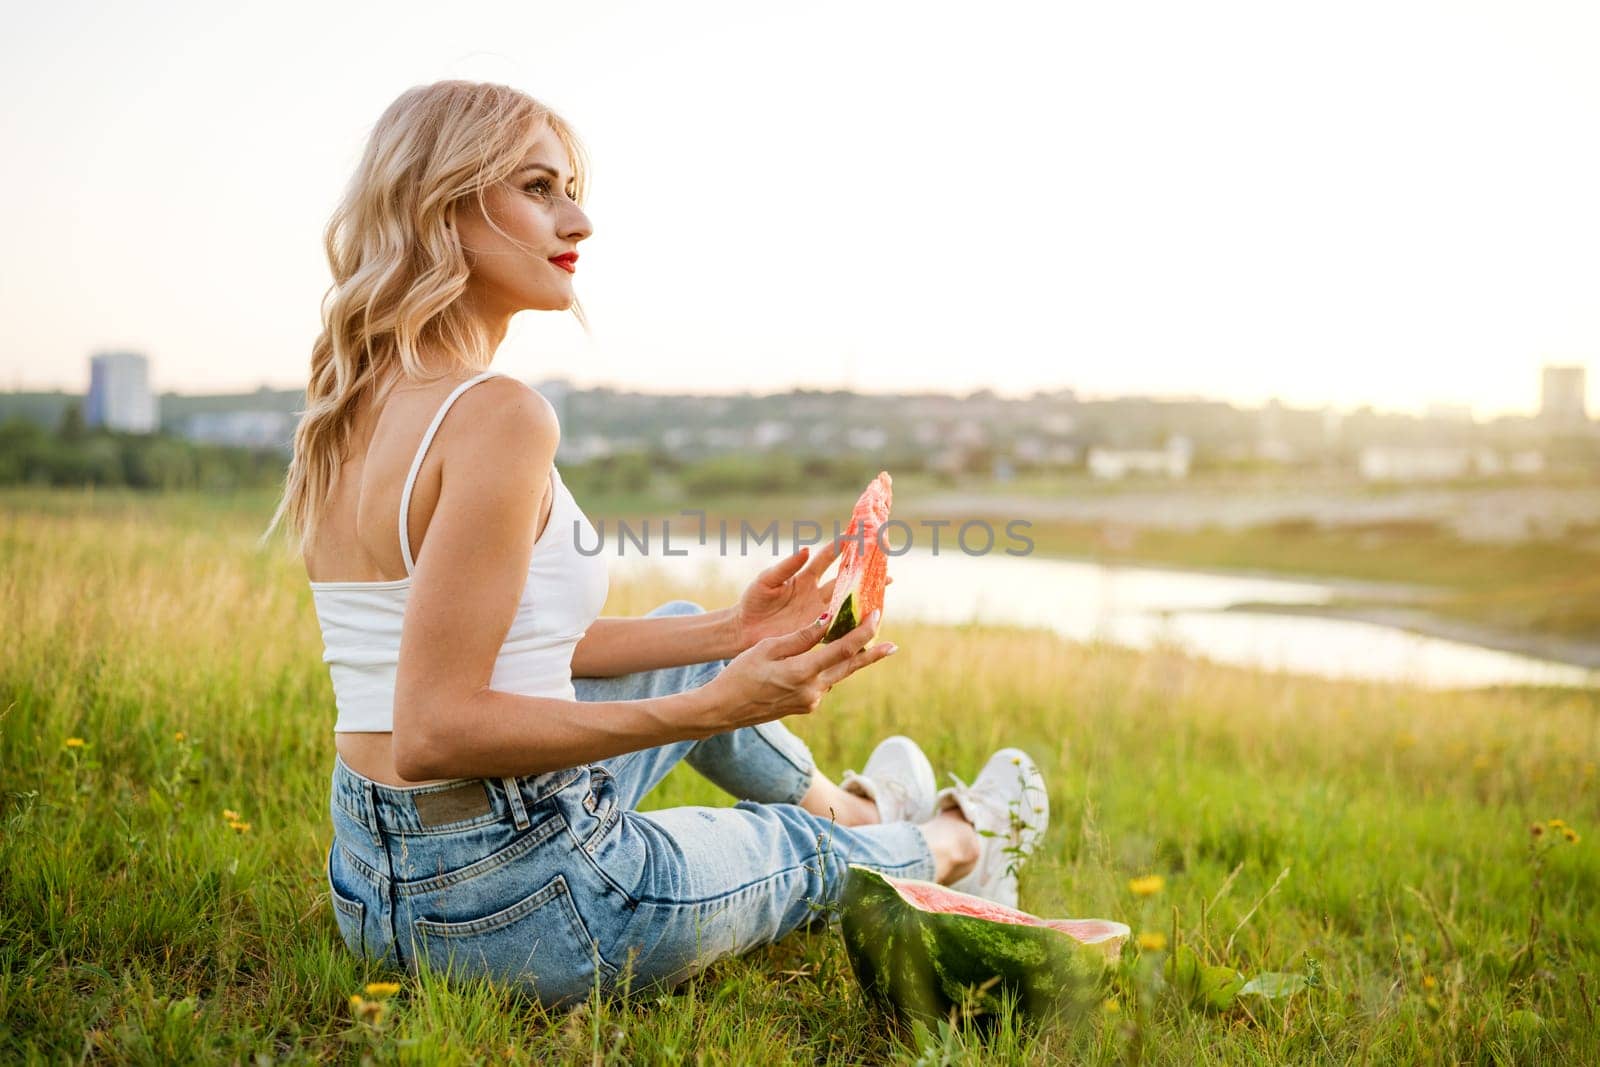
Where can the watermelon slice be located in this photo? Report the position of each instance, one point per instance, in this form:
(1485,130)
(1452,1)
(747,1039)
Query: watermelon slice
(858,588)
(921,949)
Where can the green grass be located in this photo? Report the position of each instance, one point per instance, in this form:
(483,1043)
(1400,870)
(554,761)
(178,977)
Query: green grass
(136,926)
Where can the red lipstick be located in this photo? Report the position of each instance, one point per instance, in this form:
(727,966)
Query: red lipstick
(567,261)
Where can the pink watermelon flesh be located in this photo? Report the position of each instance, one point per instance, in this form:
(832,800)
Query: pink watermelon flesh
(932,897)
(863,569)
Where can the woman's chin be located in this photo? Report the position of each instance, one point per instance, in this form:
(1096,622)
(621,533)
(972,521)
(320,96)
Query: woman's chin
(551,302)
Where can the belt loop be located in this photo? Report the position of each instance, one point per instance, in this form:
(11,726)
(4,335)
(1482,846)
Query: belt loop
(369,793)
(519,813)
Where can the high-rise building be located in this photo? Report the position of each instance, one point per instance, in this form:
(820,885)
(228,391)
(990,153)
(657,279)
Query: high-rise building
(119,393)
(1562,399)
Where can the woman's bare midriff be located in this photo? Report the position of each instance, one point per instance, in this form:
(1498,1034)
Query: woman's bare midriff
(371,755)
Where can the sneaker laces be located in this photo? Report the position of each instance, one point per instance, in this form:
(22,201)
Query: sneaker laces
(1013,826)
(899,791)
(962,792)
(875,789)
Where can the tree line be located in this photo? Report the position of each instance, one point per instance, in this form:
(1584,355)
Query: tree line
(75,455)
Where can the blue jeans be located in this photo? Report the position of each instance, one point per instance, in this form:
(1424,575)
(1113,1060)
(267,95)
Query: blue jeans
(557,884)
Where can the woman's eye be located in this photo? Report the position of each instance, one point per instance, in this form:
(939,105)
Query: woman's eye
(541,186)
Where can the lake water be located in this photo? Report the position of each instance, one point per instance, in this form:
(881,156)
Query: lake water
(1140,607)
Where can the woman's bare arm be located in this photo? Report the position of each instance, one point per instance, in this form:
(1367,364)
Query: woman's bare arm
(618,645)
(465,587)
(493,734)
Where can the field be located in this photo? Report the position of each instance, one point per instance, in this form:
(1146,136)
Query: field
(156,670)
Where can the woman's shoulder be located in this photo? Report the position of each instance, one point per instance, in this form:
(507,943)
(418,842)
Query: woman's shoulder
(502,412)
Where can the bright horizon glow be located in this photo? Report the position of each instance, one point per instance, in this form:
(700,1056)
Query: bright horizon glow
(1374,203)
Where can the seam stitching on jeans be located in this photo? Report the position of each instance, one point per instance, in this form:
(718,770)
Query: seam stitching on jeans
(594,863)
(732,892)
(531,839)
(803,771)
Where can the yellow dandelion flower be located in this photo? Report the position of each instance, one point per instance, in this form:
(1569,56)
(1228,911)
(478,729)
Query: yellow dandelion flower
(74,742)
(1110,1006)
(1556,824)
(180,736)
(1571,835)
(1149,885)
(1152,941)
(241,827)
(231,815)
(383,989)
(1429,982)
(367,1010)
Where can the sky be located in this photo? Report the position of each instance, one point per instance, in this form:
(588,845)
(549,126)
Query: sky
(1392,203)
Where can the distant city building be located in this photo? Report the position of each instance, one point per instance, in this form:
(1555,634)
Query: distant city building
(1116,463)
(1332,425)
(1562,399)
(249,429)
(119,393)
(1449,412)
(1527,461)
(968,432)
(867,438)
(770,432)
(581,448)
(1272,444)
(1418,463)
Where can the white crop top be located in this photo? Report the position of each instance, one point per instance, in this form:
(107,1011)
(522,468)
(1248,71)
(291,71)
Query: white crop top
(563,595)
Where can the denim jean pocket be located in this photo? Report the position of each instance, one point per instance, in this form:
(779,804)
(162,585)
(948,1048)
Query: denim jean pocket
(348,912)
(539,943)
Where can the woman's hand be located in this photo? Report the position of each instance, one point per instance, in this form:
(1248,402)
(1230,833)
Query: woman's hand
(781,601)
(788,674)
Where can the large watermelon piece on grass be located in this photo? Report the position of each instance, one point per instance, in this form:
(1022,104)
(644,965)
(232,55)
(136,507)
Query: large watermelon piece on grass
(923,948)
(863,566)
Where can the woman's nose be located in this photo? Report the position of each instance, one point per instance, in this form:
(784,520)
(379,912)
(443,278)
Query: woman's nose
(576,226)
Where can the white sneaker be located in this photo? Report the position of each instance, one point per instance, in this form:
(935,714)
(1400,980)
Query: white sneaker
(1008,806)
(898,778)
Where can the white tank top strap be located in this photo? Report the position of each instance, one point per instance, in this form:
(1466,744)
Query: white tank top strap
(422,450)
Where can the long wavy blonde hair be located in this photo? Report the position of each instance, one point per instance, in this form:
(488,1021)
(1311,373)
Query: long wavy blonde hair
(399,269)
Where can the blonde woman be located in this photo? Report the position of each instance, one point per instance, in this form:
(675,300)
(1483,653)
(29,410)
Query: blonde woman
(495,735)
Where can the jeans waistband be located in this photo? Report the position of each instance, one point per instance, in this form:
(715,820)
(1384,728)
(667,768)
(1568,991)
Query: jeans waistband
(418,809)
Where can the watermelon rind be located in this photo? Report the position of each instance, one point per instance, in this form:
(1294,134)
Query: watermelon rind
(845,621)
(922,964)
